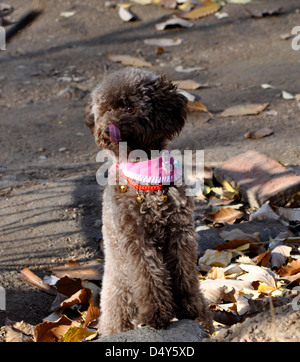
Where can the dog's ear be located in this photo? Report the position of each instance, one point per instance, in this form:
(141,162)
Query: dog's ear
(170,107)
(89,116)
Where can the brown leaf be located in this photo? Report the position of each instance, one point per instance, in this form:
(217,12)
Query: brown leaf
(225,215)
(196,106)
(244,110)
(29,277)
(80,297)
(259,133)
(68,286)
(53,331)
(201,11)
(19,332)
(290,269)
(187,84)
(263,259)
(81,271)
(92,315)
(215,273)
(236,238)
(129,60)
(236,243)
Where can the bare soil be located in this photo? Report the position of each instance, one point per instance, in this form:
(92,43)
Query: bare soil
(50,201)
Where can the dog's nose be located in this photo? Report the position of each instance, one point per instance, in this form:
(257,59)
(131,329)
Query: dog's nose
(106,130)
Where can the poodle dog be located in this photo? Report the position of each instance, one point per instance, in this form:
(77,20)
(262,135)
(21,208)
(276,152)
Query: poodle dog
(150,272)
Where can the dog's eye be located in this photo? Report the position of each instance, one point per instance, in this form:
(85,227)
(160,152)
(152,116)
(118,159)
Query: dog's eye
(129,109)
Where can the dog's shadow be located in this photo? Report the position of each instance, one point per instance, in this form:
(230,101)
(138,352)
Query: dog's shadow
(87,197)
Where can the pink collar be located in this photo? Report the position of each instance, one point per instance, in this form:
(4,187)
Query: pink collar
(160,170)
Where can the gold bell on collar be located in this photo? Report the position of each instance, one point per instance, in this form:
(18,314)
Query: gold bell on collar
(123,188)
(164,198)
(140,198)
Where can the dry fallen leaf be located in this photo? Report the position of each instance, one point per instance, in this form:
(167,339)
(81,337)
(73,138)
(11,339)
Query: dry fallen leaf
(216,258)
(237,243)
(287,95)
(262,13)
(174,22)
(78,334)
(201,11)
(290,214)
(80,297)
(163,42)
(215,273)
(187,84)
(263,259)
(18,332)
(143,2)
(53,331)
(169,4)
(244,110)
(29,277)
(92,271)
(196,106)
(225,215)
(265,212)
(257,273)
(290,269)
(242,2)
(181,69)
(259,133)
(279,255)
(129,60)
(126,15)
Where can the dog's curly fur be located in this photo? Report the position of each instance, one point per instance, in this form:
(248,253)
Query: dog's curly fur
(150,273)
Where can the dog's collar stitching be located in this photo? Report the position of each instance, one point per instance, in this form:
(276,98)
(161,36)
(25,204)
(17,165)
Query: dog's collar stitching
(143,187)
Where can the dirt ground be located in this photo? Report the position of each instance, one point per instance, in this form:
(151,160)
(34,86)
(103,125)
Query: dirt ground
(50,201)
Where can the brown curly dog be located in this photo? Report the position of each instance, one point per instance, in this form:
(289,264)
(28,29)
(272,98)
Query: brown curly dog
(150,274)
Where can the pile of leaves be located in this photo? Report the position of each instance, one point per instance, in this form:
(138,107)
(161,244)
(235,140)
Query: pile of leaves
(75,309)
(244,275)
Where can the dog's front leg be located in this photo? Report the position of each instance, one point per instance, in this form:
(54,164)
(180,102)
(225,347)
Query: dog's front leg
(151,285)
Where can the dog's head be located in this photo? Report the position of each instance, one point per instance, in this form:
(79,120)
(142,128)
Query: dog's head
(138,107)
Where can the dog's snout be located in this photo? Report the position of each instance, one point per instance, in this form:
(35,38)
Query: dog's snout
(106,130)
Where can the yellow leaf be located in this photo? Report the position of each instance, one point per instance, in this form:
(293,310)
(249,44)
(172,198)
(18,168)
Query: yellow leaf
(229,187)
(265,288)
(77,334)
(243,247)
(186,6)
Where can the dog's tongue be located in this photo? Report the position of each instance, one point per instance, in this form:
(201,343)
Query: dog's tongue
(114,132)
